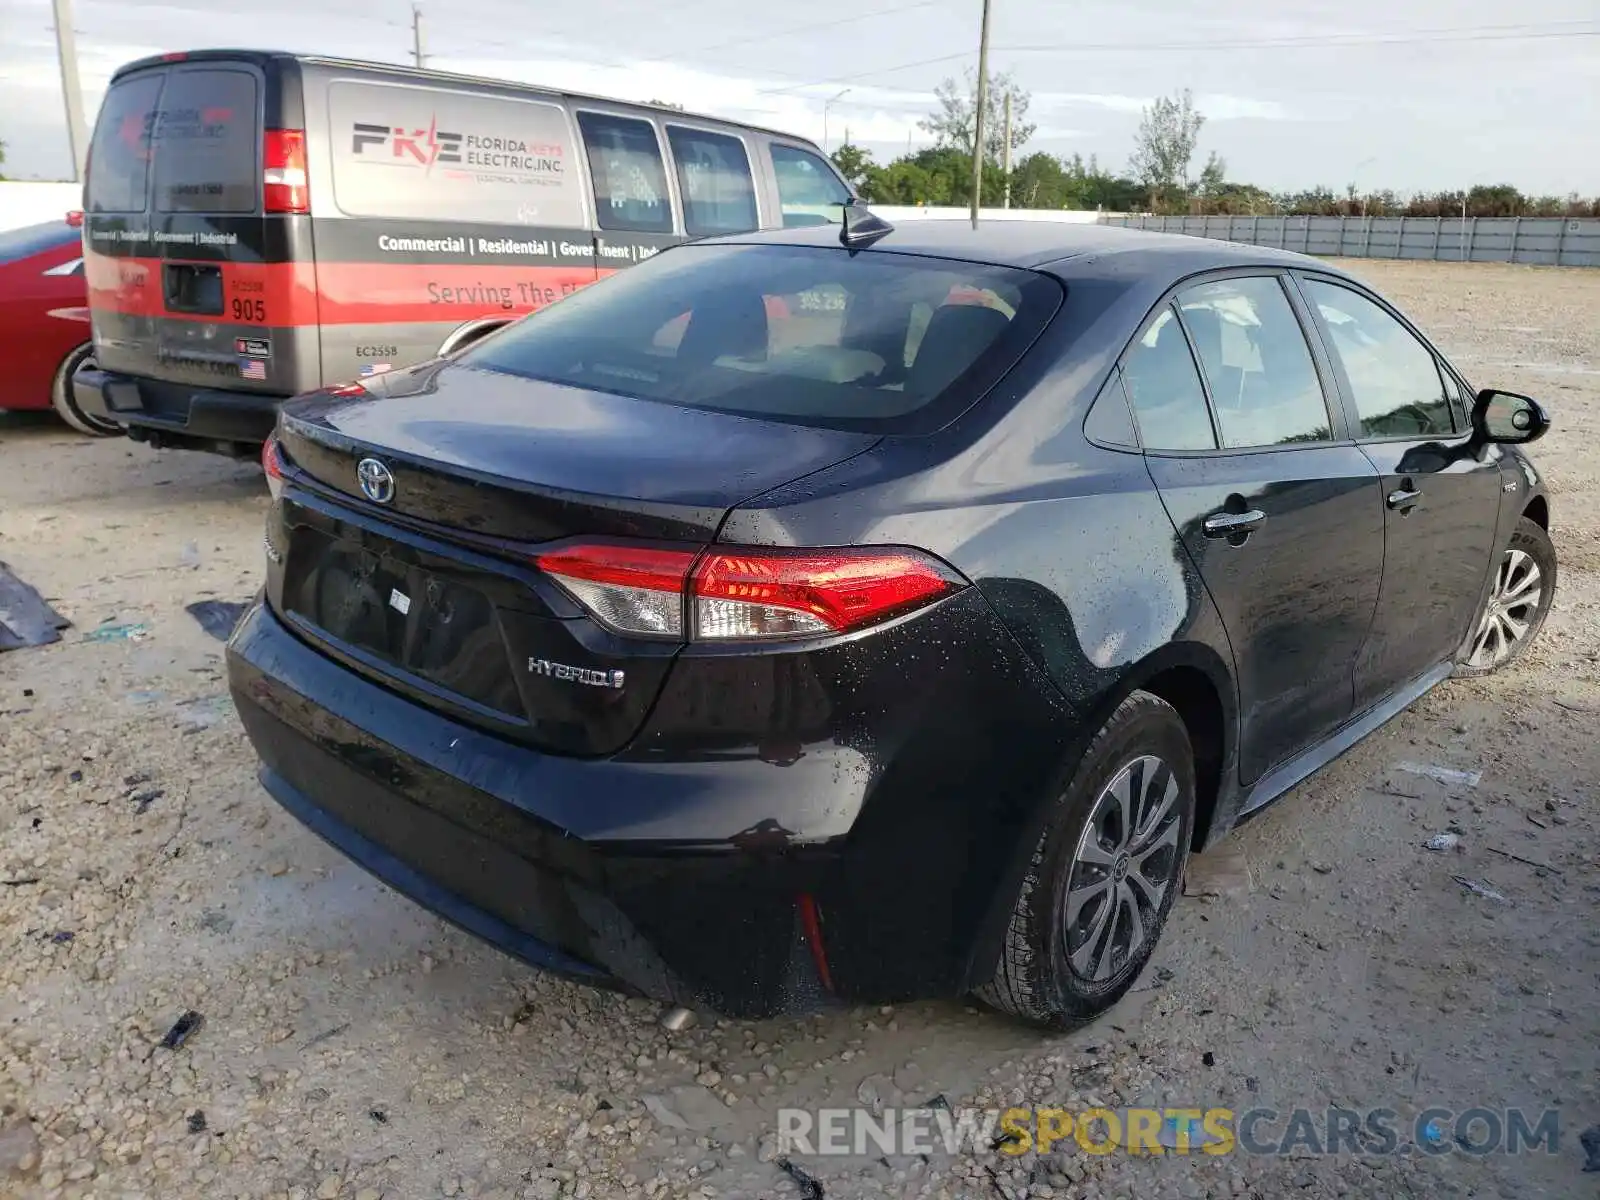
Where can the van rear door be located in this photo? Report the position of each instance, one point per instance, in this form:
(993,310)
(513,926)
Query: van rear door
(201,271)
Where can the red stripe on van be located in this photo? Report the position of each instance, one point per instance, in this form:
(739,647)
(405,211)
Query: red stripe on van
(298,294)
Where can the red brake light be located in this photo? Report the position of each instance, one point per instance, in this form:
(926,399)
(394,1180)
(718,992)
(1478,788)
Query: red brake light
(75,218)
(742,594)
(285,188)
(272,464)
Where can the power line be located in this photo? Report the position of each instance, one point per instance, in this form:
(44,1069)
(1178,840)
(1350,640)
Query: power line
(1316,42)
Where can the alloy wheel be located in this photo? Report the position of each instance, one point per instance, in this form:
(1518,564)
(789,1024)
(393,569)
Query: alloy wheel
(1126,861)
(1511,611)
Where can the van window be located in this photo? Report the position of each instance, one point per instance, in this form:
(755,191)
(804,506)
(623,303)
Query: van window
(808,192)
(206,143)
(714,177)
(119,156)
(430,154)
(804,335)
(630,183)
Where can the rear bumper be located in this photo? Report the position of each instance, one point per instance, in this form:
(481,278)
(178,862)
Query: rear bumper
(878,797)
(176,414)
(456,819)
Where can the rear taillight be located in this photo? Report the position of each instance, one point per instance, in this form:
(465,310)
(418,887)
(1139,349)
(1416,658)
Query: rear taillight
(741,594)
(284,188)
(272,464)
(75,218)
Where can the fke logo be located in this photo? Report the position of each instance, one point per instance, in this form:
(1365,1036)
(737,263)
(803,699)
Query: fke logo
(416,147)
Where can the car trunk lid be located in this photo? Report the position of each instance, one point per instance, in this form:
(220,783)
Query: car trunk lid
(430,585)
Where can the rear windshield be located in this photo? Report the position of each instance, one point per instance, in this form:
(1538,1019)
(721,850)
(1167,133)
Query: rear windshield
(119,158)
(878,342)
(36,239)
(206,143)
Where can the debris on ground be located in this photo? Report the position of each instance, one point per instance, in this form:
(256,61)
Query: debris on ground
(184,1028)
(142,800)
(197,1121)
(1442,774)
(1220,871)
(810,1187)
(202,713)
(1444,841)
(1589,1139)
(25,618)
(1480,889)
(676,1020)
(1531,862)
(190,556)
(217,617)
(132,632)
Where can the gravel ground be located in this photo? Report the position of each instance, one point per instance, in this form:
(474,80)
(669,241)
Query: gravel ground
(355,1047)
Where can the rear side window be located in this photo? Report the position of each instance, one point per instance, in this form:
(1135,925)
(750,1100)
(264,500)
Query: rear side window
(1393,377)
(207,142)
(1168,399)
(431,154)
(808,192)
(719,195)
(809,336)
(1264,384)
(630,182)
(119,156)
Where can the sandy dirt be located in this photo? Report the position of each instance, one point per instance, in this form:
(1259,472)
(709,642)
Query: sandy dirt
(354,1046)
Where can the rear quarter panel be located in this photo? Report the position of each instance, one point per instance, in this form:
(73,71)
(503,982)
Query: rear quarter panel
(1068,544)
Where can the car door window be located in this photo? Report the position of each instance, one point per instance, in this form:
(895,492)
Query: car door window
(1164,389)
(1263,381)
(809,193)
(630,182)
(719,195)
(1393,378)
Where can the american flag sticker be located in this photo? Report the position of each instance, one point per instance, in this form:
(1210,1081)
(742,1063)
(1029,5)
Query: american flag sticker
(375,369)
(250,368)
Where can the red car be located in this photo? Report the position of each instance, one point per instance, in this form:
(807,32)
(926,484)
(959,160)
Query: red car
(44,320)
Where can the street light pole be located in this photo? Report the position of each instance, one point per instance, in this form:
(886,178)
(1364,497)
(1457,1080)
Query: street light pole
(71,90)
(977,121)
(827,104)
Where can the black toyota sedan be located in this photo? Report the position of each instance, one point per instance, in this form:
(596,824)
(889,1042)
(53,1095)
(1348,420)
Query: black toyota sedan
(814,616)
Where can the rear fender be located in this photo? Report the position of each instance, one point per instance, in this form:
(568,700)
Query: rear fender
(1193,655)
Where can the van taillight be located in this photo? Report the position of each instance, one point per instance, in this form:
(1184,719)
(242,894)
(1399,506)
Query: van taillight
(284,185)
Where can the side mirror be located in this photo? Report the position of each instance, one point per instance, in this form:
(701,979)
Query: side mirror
(1507,418)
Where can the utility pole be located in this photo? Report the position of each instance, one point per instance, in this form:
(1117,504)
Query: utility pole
(416,34)
(826,105)
(72,92)
(1006,150)
(977,119)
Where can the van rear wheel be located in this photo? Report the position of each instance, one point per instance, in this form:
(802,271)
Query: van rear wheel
(66,404)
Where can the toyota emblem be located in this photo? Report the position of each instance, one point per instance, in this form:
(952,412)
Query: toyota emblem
(376,480)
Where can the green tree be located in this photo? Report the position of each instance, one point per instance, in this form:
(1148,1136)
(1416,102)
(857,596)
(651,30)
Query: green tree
(952,125)
(1039,181)
(1164,147)
(1213,177)
(856,165)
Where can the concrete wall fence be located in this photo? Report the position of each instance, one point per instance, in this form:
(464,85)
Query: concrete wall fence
(1546,241)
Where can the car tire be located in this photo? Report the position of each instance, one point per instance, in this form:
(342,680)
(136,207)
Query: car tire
(1523,590)
(1058,969)
(66,405)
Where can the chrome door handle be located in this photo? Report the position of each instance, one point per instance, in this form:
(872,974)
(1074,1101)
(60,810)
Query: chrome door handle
(1226,524)
(1404,497)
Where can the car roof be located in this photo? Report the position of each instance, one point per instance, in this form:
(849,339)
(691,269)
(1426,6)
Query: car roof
(1037,244)
(428,75)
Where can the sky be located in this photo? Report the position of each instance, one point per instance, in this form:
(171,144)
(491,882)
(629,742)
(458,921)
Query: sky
(1419,96)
